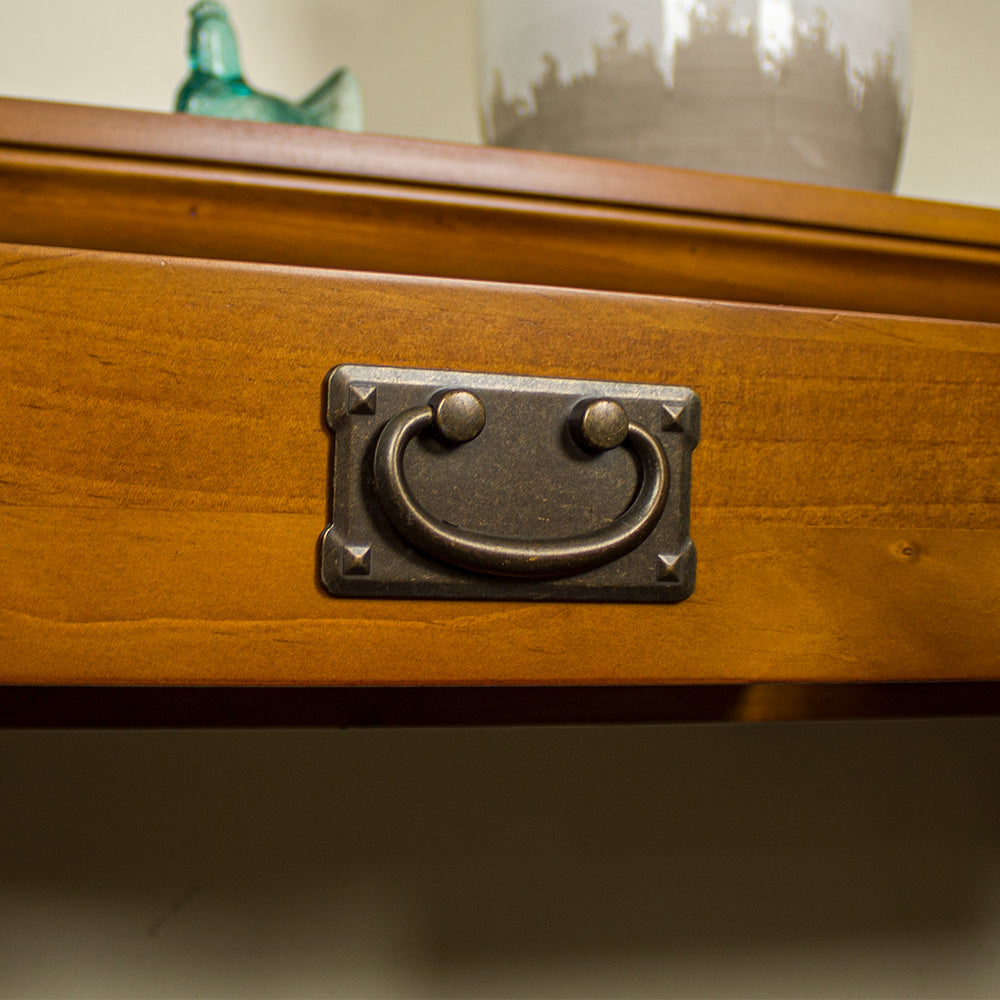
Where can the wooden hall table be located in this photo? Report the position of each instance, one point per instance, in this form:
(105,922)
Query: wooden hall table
(175,290)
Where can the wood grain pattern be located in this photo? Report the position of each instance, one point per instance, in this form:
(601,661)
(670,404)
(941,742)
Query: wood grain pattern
(436,165)
(83,177)
(163,482)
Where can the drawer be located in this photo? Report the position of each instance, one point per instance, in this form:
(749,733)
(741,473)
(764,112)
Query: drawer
(164,483)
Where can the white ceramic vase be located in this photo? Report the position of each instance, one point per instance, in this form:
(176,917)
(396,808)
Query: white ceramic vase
(800,90)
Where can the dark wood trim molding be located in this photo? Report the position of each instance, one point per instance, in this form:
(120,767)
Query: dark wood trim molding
(103,179)
(152,135)
(226,707)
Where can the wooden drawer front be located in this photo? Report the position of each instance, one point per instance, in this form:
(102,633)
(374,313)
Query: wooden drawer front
(163,482)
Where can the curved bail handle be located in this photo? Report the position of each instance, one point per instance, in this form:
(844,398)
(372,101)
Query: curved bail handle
(458,416)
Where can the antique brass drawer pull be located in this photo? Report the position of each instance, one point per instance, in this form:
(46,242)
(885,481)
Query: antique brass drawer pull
(457,416)
(474,485)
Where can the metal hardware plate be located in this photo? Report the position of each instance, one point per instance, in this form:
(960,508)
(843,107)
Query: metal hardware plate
(524,479)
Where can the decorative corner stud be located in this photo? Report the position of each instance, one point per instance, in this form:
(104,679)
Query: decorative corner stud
(356,560)
(361,399)
(675,418)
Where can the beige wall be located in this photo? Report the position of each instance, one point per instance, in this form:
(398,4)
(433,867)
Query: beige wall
(953,149)
(759,861)
(415,58)
(814,860)
(416,62)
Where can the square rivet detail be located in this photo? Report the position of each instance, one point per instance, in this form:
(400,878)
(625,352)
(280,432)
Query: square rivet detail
(669,567)
(674,418)
(361,399)
(675,567)
(356,560)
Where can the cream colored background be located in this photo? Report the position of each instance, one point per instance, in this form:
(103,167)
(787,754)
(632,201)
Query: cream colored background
(850,860)
(416,60)
(822,860)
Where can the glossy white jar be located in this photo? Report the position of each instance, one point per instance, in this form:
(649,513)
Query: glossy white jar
(799,90)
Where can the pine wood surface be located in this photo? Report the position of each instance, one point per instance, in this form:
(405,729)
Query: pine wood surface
(172,184)
(324,152)
(163,482)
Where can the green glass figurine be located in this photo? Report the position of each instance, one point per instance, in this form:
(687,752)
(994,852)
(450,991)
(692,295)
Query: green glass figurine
(215,86)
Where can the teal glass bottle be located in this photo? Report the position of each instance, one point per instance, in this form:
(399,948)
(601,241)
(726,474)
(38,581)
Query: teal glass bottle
(216,87)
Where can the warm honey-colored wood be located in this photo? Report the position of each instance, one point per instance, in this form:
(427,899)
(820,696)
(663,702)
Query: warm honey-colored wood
(163,467)
(169,184)
(436,165)
(163,482)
